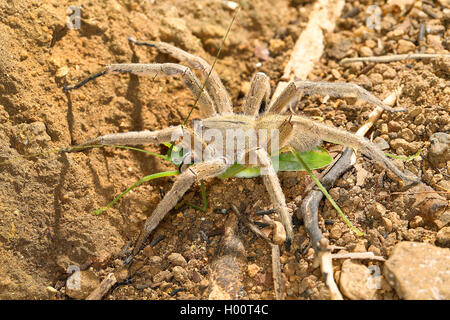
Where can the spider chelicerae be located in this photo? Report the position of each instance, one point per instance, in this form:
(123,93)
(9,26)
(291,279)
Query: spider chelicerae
(261,114)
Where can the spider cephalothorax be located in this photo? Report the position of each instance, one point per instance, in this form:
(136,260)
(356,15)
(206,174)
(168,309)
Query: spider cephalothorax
(295,131)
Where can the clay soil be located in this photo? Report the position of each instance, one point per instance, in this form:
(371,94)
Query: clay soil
(47,201)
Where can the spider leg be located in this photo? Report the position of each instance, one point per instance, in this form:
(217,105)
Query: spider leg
(312,130)
(333,89)
(273,187)
(259,92)
(191,142)
(135,138)
(182,183)
(206,104)
(214,85)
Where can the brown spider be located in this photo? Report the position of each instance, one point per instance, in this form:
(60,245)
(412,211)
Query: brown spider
(298,132)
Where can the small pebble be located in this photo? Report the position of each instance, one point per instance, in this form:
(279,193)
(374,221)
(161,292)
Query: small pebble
(335,232)
(279,234)
(376,78)
(179,274)
(196,277)
(164,275)
(390,73)
(51,290)
(417,221)
(252,270)
(387,224)
(335,74)
(381,143)
(405,46)
(354,280)
(365,52)
(81,283)
(377,210)
(148,251)
(289,268)
(62,72)
(276,46)
(177,259)
(443,237)
(407,134)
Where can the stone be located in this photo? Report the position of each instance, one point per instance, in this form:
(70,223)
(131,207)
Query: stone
(377,210)
(148,251)
(336,74)
(364,82)
(376,78)
(443,237)
(407,134)
(289,269)
(154,264)
(360,246)
(337,45)
(416,222)
(335,232)
(405,46)
(387,224)
(277,46)
(177,259)
(81,283)
(179,274)
(419,271)
(435,42)
(161,276)
(196,277)
(101,259)
(390,73)
(394,126)
(252,270)
(279,234)
(62,72)
(439,147)
(355,281)
(404,145)
(365,52)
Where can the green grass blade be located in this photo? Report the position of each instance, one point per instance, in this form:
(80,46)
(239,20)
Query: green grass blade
(204,208)
(327,195)
(116,146)
(137,184)
(403,158)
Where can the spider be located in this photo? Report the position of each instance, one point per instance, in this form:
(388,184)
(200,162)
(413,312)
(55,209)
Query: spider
(260,114)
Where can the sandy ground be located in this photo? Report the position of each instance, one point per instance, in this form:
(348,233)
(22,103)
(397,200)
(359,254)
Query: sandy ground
(46,202)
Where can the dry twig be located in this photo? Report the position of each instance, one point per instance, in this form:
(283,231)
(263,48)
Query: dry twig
(358,256)
(104,287)
(326,266)
(392,58)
